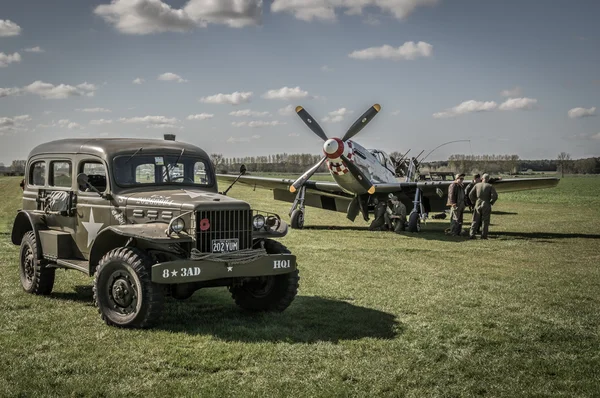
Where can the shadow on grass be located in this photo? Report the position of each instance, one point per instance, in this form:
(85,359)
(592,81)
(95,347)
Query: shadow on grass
(82,294)
(309,319)
(336,228)
(546,235)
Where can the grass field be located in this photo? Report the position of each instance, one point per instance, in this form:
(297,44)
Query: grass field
(378,314)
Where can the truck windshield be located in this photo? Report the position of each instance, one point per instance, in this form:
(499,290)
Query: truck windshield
(155,169)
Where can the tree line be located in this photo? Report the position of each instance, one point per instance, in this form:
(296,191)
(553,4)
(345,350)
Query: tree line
(489,163)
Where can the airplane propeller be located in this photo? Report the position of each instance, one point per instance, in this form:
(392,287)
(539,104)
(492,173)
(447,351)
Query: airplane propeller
(358,125)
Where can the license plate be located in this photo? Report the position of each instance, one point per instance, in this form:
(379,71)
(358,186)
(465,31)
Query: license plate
(225,245)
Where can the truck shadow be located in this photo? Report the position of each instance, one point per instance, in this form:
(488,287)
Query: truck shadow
(309,319)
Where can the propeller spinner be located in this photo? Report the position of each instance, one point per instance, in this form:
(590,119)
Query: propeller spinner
(335,148)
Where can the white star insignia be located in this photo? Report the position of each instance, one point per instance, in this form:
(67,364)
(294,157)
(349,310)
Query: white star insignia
(92,228)
(190,193)
(173,273)
(229,269)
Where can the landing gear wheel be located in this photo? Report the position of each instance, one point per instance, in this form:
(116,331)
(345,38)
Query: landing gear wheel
(35,277)
(297,219)
(123,291)
(414,222)
(268,293)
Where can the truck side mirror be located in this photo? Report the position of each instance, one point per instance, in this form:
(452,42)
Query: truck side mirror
(82,180)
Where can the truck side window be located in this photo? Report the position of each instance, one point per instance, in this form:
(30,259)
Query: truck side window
(96,175)
(61,174)
(37,174)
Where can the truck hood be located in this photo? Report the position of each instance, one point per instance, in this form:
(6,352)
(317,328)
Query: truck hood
(184,200)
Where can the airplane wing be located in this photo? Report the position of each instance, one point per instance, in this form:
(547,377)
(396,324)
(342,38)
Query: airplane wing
(435,193)
(320,194)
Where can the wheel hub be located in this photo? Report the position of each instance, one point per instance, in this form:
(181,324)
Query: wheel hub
(122,292)
(28,264)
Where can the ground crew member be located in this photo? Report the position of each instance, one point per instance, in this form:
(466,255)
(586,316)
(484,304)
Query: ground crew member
(484,195)
(456,200)
(395,216)
(378,224)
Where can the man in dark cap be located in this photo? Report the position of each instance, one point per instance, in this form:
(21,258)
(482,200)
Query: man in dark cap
(456,201)
(476,179)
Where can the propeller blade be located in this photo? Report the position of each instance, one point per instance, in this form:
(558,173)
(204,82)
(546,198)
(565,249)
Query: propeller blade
(311,123)
(362,122)
(359,175)
(304,177)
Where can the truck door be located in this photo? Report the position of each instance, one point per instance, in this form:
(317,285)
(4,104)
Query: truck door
(93,211)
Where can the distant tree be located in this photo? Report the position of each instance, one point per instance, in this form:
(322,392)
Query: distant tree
(216,159)
(564,162)
(18,166)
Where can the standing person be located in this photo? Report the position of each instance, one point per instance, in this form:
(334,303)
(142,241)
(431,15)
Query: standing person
(456,201)
(484,195)
(476,179)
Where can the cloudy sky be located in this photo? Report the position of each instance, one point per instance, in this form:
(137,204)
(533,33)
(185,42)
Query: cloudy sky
(512,76)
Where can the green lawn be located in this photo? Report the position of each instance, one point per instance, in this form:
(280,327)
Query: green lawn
(378,314)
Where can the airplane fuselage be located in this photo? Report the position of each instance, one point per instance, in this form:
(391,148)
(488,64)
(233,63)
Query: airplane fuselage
(361,157)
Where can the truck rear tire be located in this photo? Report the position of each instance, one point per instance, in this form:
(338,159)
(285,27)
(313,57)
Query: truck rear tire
(272,293)
(123,290)
(35,277)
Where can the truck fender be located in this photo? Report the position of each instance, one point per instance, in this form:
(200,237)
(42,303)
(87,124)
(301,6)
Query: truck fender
(26,221)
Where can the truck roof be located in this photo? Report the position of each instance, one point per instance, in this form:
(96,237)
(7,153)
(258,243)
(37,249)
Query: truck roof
(106,148)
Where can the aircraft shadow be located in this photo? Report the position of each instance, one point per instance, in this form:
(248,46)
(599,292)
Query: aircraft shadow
(309,319)
(336,228)
(546,235)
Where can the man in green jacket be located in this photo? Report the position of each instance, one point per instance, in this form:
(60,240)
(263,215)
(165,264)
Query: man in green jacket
(484,195)
(456,201)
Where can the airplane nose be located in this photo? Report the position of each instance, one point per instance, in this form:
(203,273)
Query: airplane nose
(333,148)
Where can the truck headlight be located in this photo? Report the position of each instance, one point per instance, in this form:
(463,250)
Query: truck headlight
(258,221)
(177,225)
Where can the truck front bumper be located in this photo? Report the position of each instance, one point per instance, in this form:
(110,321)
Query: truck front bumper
(184,271)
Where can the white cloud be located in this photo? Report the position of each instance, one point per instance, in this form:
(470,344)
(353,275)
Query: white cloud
(6,59)
(152,121)
(286,93)
(155,16)
(66,123)
(396,113)
(36,49)
(308,10)
(326,68)
(293,135)
(257,123)
(171,77)
(512,93)
(138,80)
(100,122)
(50,91)
(336,116)
(467,107)
(234,98)
(47,112)
(595,136)
(9,28)
(248,112)
(512,104)
(5,92)
(371,20)
(408,51)
(200,116)
(14,124)
(94,110)
(287,111)
(235,140)
(582,112)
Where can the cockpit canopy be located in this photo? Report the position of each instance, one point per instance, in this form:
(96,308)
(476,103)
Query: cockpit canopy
(383,158)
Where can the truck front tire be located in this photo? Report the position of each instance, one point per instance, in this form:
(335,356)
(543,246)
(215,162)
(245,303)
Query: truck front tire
(35,277)
(123,290)
(268,293)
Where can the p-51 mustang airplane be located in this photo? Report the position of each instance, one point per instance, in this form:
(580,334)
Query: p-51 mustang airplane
(362,175)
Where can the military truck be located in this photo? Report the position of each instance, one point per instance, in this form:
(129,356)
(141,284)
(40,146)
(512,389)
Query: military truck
(113,209)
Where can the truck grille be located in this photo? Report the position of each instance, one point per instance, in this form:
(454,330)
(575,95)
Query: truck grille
(224,224)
